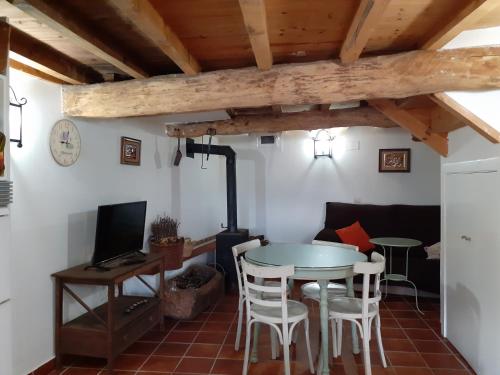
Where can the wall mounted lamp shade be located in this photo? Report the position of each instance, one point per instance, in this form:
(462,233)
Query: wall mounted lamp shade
(323,144)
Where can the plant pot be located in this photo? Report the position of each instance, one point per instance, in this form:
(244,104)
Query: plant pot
(172,251)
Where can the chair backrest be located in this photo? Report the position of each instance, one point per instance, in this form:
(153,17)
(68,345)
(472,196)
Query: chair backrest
(254,292)
(238,250)
(375,267)
(337,244)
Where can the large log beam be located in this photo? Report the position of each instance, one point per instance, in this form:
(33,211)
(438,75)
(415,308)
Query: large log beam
(4,45)
(415,125)
(393,76)
(313,120)
(152,26)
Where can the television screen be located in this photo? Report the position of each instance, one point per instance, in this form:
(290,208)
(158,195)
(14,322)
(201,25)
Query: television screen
(119,230)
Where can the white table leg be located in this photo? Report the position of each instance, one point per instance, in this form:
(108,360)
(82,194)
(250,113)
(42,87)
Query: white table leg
(354,332)
(323,312)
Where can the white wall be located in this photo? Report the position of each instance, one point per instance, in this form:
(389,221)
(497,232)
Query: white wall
(54,211)
(282,193)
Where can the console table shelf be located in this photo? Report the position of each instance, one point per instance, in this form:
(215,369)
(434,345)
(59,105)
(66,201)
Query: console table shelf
(107,330)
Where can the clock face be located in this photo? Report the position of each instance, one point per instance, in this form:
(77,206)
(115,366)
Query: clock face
(65,143)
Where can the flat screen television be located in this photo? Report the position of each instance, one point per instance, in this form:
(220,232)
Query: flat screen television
(119,230)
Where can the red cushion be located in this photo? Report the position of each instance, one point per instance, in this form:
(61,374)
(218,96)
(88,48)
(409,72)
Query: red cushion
(355,235)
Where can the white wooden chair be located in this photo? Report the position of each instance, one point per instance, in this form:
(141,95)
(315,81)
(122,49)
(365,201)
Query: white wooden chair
(311,290)
(281,314)
(238,251)
(365,309)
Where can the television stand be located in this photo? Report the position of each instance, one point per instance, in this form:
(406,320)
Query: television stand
(107,330)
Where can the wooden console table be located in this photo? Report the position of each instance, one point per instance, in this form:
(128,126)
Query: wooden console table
(107,330)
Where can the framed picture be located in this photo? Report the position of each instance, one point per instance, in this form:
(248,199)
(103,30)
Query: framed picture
(394,160)
(130,151)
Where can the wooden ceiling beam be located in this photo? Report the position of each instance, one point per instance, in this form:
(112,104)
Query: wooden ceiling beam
(391,76)
(34,72)
(53,14)
(483,128)
(418,128)
(40,56)
(4,45)
(312,120)
(465,19)
(254,16)
(367,16)
(151,25)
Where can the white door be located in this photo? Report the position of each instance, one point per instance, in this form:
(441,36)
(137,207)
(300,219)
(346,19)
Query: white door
(471,264)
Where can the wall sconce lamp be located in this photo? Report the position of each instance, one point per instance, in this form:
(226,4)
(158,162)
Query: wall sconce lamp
(14,102)
(323,144)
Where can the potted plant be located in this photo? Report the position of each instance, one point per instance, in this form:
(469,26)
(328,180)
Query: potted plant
(164,240)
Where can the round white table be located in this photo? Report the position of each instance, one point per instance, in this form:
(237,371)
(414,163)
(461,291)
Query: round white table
(313,262)
(398,242)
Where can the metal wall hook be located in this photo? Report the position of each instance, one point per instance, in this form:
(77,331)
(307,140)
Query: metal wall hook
(18,104)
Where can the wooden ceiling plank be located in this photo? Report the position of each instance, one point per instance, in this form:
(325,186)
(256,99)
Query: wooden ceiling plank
(254,16)
(30,51)
(392,76)
(4,45)
(312,120)
(483,128)
(414,125)
(464,20)
(367,16)
(14,64)
(68,25)
(443,121)
(152,26)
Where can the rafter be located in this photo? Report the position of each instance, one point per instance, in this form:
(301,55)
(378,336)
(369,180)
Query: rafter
(152,25)
(40,56)
(366,18)
(254,16)
(392,76)
(418,128)
(446,102)
(34,72)
(53,14)
(312,120)
(4,45)
(464,20)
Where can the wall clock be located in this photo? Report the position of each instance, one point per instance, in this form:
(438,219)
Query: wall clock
(65,143)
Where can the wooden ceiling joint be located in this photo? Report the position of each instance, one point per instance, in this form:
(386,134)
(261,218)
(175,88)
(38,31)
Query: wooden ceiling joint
(411,73)
(413,124)
(266,123)
(54,15)
(254,16)
(151,25)
(367,16)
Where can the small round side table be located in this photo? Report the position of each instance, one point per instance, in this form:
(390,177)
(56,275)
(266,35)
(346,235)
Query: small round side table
(390,242)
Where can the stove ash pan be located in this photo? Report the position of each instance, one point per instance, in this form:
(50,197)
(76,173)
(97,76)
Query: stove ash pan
(192,292)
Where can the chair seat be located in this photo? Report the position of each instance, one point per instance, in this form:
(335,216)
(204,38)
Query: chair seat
(349,307)
(296,311)
(311,290)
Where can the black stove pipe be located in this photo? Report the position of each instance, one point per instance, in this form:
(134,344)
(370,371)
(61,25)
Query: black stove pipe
(198,148)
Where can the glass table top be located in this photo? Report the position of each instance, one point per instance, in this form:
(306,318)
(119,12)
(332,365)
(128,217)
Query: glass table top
(395,241)
(305,256)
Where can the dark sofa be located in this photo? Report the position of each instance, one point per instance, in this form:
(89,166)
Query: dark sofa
(417,222)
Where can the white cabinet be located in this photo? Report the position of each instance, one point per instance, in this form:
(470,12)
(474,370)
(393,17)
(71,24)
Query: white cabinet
(471,261)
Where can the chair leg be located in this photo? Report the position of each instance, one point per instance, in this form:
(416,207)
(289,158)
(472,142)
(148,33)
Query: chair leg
(286,349)
(308,345)
(339,336)
(366,347)
(247,349)
(273,342)
(238,329)
(334,339)
(379,341)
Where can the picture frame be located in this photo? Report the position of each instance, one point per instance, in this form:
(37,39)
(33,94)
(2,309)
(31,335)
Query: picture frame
(130,151)
(394,160)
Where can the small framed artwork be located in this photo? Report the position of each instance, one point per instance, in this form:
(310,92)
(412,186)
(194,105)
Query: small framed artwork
(394,160)
(130,151)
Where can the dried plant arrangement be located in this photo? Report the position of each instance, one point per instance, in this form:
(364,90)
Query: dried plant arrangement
(164,230)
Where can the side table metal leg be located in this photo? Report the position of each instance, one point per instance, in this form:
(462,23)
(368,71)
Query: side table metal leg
(416,296)
(354,332)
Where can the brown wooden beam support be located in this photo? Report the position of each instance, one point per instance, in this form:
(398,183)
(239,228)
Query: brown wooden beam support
(34,72)
(313,120)
(4,45)
(367,16)
(418,128)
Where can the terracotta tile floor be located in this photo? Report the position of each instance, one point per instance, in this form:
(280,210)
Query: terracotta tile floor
(412,343)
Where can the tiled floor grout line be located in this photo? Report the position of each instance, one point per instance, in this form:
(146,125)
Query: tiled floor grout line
(235,317)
